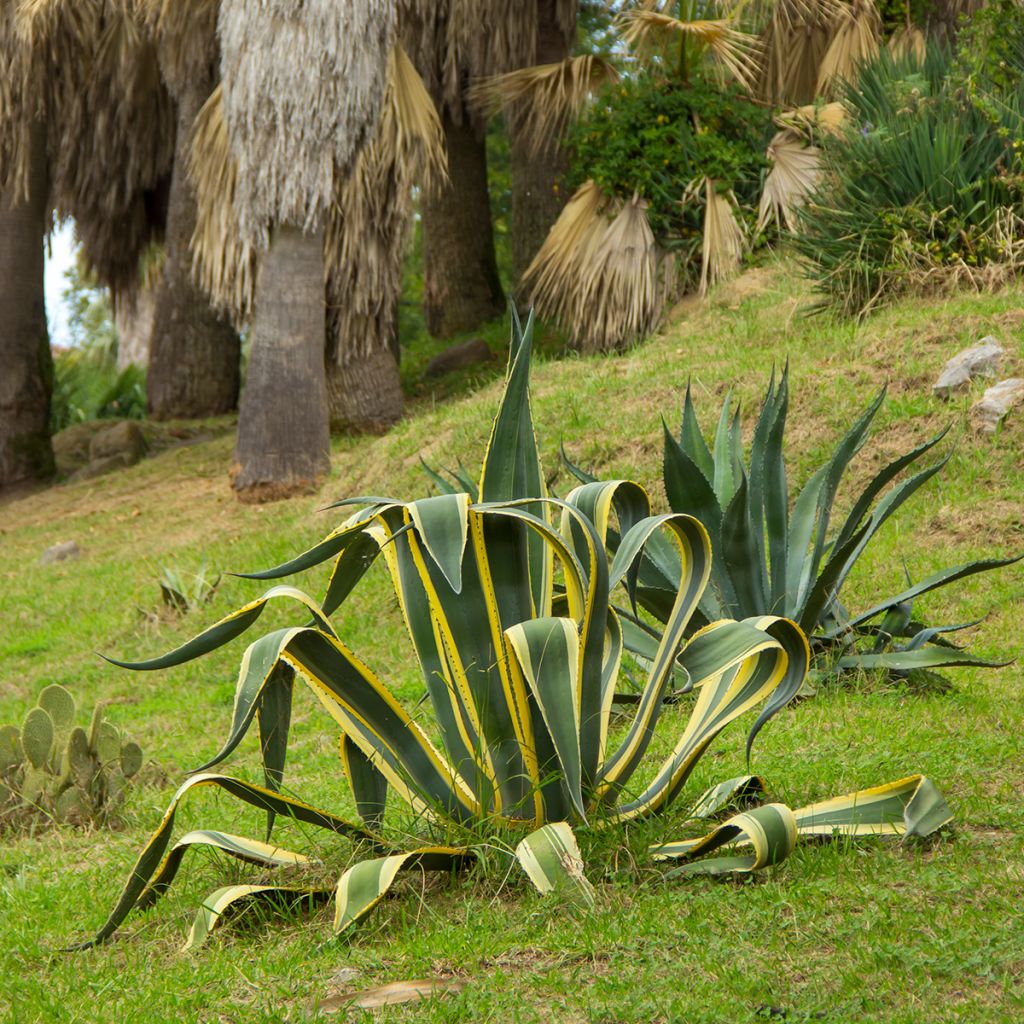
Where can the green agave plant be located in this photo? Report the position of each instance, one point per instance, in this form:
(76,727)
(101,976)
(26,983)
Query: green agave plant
(520,675)
(774,557)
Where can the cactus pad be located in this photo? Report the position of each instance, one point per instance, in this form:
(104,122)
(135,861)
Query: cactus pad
(37,737)
(59,705)
(131,759)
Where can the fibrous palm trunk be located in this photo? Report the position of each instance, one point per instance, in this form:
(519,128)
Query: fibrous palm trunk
(26,365)
(364,395)
(194,353)
(283,444)
(461,286)
(536,197)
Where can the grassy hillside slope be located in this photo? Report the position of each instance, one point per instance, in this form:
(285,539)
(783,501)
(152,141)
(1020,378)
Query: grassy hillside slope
(874,932)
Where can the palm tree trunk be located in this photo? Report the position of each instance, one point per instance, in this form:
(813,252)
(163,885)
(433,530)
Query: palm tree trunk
(536,196)
(365,394)
(194,353)
(26,365)
(283,444)
(461,287)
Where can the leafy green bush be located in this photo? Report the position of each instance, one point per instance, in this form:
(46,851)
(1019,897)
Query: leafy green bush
(655,135)
(508,604)
(922,192)
(774,556)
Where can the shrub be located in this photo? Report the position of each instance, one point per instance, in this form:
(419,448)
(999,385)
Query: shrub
(921,193)
(520,676)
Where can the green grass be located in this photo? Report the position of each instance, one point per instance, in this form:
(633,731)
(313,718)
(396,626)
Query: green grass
(865,932)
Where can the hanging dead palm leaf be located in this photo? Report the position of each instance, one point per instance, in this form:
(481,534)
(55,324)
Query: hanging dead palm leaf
(549,96)
(795,170)
(724,240)
(856,31)
(793,44)
(908,42)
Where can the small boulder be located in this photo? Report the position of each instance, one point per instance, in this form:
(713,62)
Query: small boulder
(71,445)
(997,401)
(458,357)
(123,442)
(980,360)
(60,552)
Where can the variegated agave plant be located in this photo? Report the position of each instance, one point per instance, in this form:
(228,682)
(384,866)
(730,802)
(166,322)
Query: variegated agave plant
(508,604)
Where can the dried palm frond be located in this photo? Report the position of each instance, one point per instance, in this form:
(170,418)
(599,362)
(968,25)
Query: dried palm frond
(224,263)
(793,44)
(553,280)
(620,286)
(908,41)
(723,241)
(450,41)
(368,225)
(303,86)
(856,30)
(796,167)
(547,97)
(736,51)
(185,32)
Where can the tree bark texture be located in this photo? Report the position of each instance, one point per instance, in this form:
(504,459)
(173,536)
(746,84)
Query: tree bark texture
(283,444)
(537,199)
(364,395)
(461,286)
(194,351)
(26,365)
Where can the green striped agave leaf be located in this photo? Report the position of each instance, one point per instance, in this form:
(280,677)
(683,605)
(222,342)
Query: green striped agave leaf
(233,899)
(552,860)
(365,884)
(912,806)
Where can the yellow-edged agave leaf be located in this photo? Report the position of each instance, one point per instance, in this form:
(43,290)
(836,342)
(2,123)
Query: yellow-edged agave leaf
(443,525)
(546,98)
(908,807)
(250,850)
(912,806)
(369,786)
(723,240)
(365,884)
(552,861)
(796,167)
(236,898)
(151,857)
(770,830)
(856,29)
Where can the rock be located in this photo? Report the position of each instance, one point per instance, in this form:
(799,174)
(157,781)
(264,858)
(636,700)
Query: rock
(122,440)
(997,401)
(981,360)
(458,357)
(71,445)
(60,553)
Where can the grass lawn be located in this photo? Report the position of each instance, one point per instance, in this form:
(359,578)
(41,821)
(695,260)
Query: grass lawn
(840,932)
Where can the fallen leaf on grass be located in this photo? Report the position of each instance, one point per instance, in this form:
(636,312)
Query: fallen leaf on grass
(390,994)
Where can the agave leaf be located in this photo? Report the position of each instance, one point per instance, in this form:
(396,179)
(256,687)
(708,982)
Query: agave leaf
(249,850)
(365,884)
(691,440)
(771,831)
(235,898)
(933,582)
(274,716)
(552,861)
(369,786)
(151,857)
(443,527)
(743,558)
(917,658)
(715,799)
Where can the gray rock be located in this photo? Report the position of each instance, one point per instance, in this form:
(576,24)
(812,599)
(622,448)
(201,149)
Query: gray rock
(123,440)
(71,445)
(980,360)
(458,357)
(997,401)
(60,553)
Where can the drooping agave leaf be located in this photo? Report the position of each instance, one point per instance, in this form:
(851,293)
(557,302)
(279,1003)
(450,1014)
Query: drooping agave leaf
(365,884)
(236,898)
(715,799)
(248,850)
(151,857)
(912,806)
(552,861)
(274,716)
(369,786)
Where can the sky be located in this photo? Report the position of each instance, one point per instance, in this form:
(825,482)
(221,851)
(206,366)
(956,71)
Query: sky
(58,259)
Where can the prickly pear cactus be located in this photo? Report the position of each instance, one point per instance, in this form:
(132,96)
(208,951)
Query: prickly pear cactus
(52,769)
